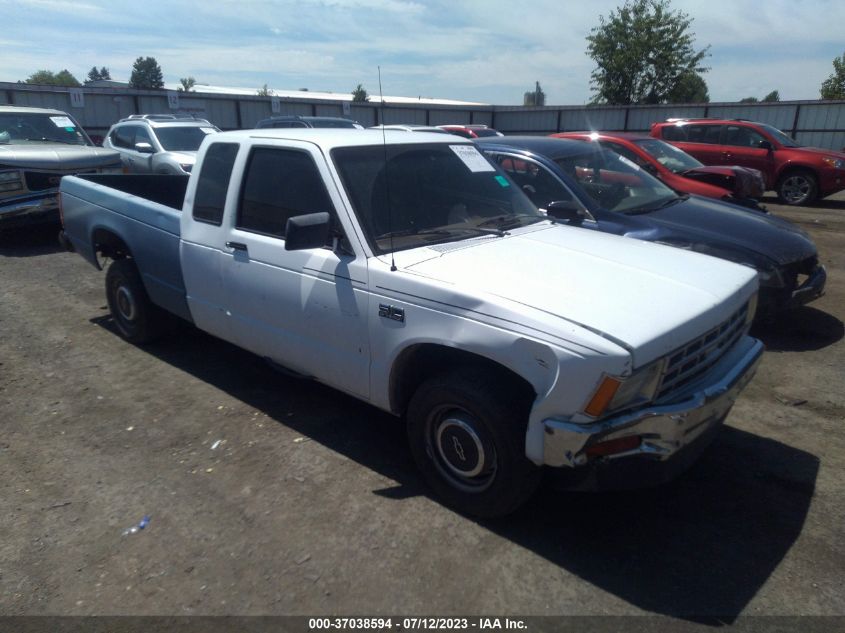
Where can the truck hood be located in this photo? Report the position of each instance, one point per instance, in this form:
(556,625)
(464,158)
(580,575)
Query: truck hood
(56,157)
(648,298)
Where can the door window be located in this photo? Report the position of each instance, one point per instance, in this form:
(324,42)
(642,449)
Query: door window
(280,184)
(213,182)
(122,136)
(703,133)
(741,136)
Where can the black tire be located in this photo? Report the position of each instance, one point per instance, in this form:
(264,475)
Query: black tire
(467,434)
(797,188)
(137,319)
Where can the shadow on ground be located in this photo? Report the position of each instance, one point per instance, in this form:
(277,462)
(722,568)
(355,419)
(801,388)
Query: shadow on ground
(699,548)
(800,330)
(30,241)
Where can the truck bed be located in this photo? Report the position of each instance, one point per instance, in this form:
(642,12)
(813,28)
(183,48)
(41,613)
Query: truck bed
(145,211)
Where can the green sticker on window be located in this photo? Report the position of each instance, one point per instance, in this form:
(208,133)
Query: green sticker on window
(503,181)
(70,129)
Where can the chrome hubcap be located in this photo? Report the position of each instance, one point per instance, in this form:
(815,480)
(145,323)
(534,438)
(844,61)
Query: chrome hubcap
(461,450)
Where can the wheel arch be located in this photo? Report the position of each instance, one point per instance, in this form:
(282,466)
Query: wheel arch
(421,361)
(109,244)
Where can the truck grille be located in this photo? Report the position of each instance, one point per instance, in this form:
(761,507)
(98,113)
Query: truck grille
(695,358)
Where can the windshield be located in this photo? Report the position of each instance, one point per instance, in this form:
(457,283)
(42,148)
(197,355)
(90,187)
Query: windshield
(27,128)
(780,137)
(183,139)
(615,182)
(414,195)
(674,159)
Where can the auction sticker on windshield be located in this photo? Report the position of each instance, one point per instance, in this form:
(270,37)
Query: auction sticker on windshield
(472,158)
(62,121)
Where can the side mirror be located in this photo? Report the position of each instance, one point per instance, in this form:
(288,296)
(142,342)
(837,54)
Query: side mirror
(307,231)
(567,210)
(765,145)
(144,148)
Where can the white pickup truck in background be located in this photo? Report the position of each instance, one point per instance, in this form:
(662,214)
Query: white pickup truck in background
(409,272)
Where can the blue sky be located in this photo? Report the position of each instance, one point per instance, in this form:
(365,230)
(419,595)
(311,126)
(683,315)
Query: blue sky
(489,51)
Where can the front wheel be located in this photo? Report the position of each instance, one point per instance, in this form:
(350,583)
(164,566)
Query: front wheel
(797,188)
(467,434)
(137,318)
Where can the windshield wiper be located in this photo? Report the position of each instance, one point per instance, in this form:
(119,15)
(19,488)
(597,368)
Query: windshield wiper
(44,139)
(443,231)
(666,203)
(509,220)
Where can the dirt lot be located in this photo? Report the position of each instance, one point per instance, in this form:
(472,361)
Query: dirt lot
(269,495)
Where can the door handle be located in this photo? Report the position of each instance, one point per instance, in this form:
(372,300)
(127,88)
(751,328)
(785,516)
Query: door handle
(236,246)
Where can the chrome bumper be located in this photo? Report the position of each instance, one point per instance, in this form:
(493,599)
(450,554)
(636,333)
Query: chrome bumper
(664,430)
(31,205)
(811,289)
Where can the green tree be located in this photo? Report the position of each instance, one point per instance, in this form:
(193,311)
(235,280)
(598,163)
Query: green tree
(834,86)
(534,97)
(146,74)
(641,51)
(749,100)
(49,78)
(97,75)
(188,84)
(264,91)
(690,88)
(359,95)
(773,96)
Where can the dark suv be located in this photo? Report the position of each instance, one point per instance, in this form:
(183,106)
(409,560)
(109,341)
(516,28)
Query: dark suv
(798,174)
(294,120)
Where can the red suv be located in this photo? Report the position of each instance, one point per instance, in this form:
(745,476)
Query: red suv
(798,174)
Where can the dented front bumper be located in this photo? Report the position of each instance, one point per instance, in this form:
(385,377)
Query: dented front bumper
(662,430)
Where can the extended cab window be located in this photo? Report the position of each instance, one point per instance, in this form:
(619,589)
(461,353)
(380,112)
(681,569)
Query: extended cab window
(280,184)
(213,182)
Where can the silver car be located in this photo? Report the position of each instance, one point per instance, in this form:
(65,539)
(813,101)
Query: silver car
(158,143)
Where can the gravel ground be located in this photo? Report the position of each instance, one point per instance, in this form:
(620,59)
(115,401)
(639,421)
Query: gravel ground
(270,495)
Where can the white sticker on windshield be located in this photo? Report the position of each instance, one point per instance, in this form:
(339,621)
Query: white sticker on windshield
(629,162)
(62,121)
(472,158)
(208,130)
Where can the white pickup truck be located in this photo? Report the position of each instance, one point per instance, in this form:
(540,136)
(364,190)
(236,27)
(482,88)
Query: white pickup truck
(409,272)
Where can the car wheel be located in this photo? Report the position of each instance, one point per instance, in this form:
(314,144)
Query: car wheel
(137,319)
(467,434)
(797,188)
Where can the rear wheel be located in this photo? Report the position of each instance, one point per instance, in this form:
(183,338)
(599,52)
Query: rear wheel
(137,319)
(797,188)
(467,434)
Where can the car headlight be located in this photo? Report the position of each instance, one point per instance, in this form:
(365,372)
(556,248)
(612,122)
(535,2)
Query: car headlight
(771,278)
(836,163)
(614,393)
(186,167)
(11,180)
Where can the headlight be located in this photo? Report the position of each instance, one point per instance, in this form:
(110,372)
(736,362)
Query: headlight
(10,180)
(752,308)
(186,167)
(836,163)
(770,278)
(614,393)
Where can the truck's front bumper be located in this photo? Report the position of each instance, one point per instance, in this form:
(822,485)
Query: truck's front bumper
(662,430)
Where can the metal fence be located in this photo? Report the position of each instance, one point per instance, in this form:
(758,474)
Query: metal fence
(816,123)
